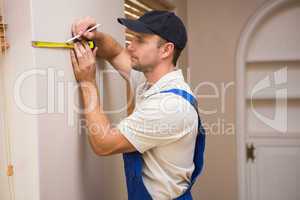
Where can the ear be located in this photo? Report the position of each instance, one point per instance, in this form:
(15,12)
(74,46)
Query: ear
(167,50)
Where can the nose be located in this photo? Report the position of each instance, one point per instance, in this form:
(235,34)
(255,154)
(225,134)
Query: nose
(130,46)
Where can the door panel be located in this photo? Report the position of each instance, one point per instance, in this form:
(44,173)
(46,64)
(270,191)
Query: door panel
(277,174)
(256,127)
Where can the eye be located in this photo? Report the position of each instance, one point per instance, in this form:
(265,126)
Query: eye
(140,39)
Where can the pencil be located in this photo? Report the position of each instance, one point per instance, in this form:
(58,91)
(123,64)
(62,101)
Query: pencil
(78,36)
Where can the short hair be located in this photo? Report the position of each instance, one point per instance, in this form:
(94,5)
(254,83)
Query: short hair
(176,52)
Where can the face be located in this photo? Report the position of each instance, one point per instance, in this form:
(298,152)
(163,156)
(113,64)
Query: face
(144,51)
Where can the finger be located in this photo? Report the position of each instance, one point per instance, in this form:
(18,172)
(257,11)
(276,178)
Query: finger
(87,48)
(77,51)
(89,35)
(74,64)
(77,26)
(81,49)
(74,61)
(95,51)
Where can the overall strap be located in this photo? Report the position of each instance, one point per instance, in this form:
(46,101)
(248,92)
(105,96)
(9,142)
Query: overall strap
(200,140)
(187,96)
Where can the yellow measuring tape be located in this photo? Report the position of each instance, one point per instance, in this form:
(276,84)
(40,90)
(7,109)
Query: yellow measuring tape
(42,44)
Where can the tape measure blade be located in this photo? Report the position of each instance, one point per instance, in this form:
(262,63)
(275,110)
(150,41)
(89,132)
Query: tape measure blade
(42,44)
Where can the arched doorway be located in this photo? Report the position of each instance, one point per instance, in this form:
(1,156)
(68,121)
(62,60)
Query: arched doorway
(268,103)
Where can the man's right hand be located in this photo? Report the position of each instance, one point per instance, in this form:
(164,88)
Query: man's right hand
(81,25)
(109,48)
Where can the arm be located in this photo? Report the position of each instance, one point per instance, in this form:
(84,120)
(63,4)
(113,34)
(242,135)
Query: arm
(109,48)
(112,51)
(103,139)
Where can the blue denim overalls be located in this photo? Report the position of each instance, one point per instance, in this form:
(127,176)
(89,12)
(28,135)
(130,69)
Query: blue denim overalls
(133,161)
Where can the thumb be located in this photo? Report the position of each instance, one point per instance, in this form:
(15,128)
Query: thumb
(89,35)
(95,51)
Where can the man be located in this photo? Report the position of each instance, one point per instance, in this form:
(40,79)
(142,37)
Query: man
(162,140)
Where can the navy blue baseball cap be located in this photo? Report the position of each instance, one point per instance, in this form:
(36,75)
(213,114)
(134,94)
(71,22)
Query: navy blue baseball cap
(163,23)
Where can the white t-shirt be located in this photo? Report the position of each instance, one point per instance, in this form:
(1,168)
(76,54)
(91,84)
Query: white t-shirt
(163,127)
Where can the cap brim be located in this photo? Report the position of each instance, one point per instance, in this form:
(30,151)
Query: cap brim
(134,25)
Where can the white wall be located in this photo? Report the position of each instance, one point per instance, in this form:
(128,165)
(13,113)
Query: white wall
(69,170)
(52,159)
(23,127)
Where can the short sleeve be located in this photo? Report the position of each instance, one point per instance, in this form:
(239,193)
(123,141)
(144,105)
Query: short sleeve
(160,119)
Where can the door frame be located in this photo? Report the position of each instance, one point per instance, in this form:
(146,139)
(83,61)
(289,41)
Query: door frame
(255,20)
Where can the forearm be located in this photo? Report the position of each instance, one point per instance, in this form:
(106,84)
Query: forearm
(97,123)
(110,50)
(108,46)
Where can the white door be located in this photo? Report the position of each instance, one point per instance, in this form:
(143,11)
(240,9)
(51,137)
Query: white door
(268,103)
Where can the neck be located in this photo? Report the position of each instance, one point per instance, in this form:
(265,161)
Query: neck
(158,72)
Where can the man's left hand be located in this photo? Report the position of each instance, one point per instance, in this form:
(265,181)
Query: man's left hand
(84,62)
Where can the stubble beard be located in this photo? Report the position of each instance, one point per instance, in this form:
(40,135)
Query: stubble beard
(143,68)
